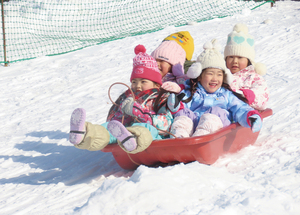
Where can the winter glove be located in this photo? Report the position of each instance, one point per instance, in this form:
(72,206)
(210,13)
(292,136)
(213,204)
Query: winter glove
(177,70)
(249,95)
(171,86)
(135,110)
(174,101)
(127,106)
(255,122)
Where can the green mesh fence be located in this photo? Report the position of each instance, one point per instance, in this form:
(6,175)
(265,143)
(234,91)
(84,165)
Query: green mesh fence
(34,28)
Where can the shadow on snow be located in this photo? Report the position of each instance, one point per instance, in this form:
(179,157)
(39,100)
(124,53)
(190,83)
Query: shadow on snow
(59,163)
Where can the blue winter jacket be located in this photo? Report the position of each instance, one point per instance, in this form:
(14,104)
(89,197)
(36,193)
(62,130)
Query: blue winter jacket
(223,98)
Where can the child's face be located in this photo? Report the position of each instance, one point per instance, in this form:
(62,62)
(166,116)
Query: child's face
(236,63)
(140,84)
(211,79)
(164,67)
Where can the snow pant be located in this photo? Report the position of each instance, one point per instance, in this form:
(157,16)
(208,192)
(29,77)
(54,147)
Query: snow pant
(185,122)
(97,136)
(221,113)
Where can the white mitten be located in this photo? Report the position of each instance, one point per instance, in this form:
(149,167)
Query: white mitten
(171,86)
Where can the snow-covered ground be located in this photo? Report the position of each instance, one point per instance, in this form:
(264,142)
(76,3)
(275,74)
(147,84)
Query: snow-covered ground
(42,173)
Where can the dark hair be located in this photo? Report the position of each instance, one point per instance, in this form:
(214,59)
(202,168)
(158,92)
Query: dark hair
(160,101)
(240,97)
(193,88)
(249,62)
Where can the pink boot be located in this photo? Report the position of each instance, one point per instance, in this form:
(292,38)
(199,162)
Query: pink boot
(77,126)
(119,131)
(209,123)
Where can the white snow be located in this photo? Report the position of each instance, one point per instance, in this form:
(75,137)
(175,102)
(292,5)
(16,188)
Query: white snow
(42,173)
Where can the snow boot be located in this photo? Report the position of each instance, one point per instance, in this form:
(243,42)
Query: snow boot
(132,139)
(208,123)
(96,137)
(182,127)
(77,126)
(118,130)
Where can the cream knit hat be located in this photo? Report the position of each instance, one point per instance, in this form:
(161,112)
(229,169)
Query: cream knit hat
(240,43)
(210,58)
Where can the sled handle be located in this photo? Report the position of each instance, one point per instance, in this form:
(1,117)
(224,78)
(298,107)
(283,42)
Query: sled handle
(122,84)
(133,100)
(113,101)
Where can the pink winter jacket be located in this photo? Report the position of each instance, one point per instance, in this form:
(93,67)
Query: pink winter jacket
(248,79)
(143,111)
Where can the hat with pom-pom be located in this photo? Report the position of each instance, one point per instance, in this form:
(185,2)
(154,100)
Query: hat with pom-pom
(241,43)
(210,58)
(170,52)
(185,40)
(145,66)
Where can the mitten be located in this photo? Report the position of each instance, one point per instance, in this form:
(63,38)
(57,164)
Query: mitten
(171,86)
(135,110)
(127,106)
(249,95)
(177,70)
(174,101)
(255,122)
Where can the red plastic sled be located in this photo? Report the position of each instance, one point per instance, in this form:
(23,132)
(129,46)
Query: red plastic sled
(204,149)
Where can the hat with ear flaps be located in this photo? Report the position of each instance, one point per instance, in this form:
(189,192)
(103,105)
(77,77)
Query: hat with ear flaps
(240,43)
(210,58)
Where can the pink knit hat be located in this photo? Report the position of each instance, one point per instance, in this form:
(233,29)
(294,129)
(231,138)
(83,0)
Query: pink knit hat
(145,66)
(171,52)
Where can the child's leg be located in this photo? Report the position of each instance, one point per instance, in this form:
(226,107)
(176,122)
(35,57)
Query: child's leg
(96,137)
(190,114)
(221,113)
(154,132)
(208,123)
(182,126)
(139,135)
(124,137)
(85,135)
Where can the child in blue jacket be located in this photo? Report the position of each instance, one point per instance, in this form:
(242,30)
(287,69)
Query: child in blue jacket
(209,102)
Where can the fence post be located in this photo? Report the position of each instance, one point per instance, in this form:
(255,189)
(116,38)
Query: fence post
(272,3)
(3,33)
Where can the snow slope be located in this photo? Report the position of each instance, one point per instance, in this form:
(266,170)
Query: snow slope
(42,173)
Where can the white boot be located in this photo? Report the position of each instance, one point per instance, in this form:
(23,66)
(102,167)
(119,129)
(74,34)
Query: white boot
(208,123)
(182,127)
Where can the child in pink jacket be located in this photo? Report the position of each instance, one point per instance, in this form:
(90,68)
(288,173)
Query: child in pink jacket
(144,113)
(239,54)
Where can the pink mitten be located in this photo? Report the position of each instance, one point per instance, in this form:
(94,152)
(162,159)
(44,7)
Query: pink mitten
(171,86)
(177,70)
(249,95)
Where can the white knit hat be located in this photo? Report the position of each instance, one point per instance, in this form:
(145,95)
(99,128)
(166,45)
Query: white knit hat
(210,58)
(240,43)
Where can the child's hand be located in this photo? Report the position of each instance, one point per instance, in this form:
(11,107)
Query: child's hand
(171,86)
(256,123)
(127,106)
(177,70)
(174,101)
(249,95)
(136,110)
